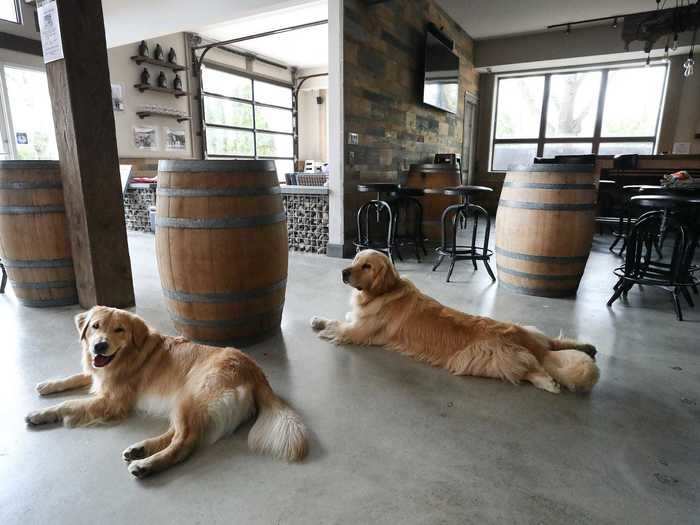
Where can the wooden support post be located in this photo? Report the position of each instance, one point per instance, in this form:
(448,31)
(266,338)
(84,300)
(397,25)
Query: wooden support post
(82,108)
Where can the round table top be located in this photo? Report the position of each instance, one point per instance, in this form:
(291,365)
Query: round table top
(607,181)
(458,190)
(374,187)
(665,201)
(630,187)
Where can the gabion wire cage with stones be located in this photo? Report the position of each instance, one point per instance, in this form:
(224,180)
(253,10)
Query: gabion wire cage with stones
(137,200)
(307,222)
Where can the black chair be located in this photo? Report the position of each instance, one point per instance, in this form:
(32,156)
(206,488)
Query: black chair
(3,279)
(375,220)
(458,217)
(628,214)
(408,220)
(643,266)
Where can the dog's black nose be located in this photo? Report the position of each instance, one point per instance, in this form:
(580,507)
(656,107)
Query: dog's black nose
(101,347)
(346,275)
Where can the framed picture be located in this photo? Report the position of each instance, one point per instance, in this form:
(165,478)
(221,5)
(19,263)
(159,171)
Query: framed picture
(175,139)
(118,97)
(145,138)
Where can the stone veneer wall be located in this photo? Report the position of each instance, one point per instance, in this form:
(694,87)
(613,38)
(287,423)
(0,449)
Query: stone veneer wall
(383,47)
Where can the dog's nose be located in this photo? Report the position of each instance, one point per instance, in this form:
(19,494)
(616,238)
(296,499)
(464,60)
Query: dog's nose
(346,275)
(101,347)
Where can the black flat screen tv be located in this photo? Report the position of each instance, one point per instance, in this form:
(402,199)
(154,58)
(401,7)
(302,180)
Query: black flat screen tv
(441,79)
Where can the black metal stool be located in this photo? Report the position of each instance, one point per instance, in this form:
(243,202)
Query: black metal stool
(367,238)
(626,219)
(3,279)
(666,218)
(408,220)
(457,217)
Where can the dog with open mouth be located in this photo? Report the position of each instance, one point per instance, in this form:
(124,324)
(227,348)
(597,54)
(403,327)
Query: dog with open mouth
(206,391)
(389,311)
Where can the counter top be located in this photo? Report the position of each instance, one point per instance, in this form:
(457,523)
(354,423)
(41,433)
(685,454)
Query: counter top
(578,168)
(303,190)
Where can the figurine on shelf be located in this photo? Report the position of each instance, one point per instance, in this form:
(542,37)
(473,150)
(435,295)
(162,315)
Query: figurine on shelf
(162,81)
(172,56)
(145,77)
(143,49)
(158,53)
(177,83)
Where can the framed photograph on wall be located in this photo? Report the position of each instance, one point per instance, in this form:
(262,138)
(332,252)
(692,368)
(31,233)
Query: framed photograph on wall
(145,138)
(118,97)
(175,139)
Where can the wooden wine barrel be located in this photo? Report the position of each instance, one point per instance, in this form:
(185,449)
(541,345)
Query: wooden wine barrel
(34,243)
(221,245)
(544,228)
(434,176)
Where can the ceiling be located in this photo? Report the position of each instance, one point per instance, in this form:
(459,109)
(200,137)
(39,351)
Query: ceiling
(128,21)
(494,18)
(303,48)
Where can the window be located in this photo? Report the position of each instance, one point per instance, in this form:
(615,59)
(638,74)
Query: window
(27,126)
(605,112)
(9,11)
(247,118)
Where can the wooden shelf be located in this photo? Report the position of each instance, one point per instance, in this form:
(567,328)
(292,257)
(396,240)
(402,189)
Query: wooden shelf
(148,87)
(140,59)
(144,114)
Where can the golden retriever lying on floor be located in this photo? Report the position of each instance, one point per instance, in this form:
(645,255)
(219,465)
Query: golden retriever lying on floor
(389,311)
(207,392)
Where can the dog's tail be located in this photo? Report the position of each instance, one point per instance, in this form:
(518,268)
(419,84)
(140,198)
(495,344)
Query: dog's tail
(278,430)
(573,369)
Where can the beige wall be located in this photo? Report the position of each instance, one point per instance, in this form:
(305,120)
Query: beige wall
(312,121)
(126,72)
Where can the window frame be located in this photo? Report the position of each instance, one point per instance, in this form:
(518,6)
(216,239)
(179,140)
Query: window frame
(596,139)
(18,14)
(252,102)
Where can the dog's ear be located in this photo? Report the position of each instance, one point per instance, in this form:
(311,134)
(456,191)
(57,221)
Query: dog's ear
(385,280)
(139,331)
(82,321)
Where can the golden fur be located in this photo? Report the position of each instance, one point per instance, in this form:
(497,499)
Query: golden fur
(389,311)
(206,391)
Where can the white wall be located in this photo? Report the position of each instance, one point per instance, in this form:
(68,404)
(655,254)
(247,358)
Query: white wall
(313,125)
(126,72)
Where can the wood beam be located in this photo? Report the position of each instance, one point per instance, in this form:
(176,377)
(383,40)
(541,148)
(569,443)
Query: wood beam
(82,108)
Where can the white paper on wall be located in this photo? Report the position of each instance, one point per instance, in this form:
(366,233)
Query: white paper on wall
(50,32)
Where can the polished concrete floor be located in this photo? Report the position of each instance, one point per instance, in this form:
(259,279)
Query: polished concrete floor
(394,441)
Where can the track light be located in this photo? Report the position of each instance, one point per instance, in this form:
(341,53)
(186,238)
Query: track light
(568,29)
(615,23)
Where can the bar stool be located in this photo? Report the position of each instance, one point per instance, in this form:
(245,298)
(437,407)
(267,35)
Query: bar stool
(408,220)
(666,218)
(626,218)
(457,217)
(367,237)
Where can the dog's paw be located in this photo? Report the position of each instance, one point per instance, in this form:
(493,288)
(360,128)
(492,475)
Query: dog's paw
(42,417)
(551,386)
(134,452)
(318,323)
(45,388)
(588,349)
(140,469)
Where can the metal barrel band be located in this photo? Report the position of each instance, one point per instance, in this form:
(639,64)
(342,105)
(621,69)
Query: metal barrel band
(537,276)
(228,167)
(38,263)
(228,323)
(567,259)
(220,223)
(548,186)
(63,301)
(187,297)
(546,206)
(42,285)
(538,291)
(218,192)
(31,185)
(25,210)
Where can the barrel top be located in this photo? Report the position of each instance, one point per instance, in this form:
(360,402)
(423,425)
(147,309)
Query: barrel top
(232,165)
(571,168)
(28,164)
